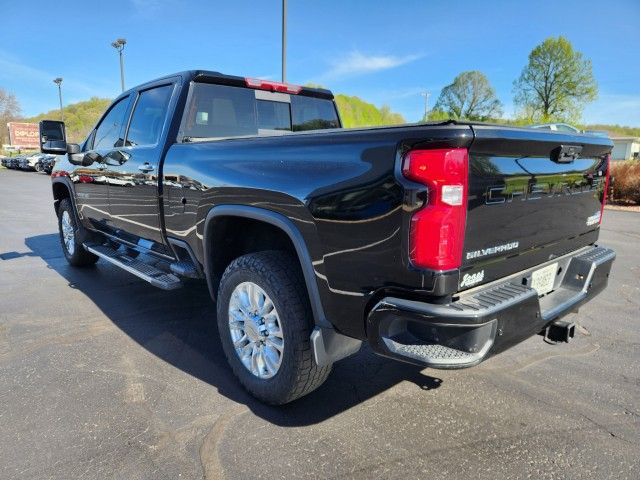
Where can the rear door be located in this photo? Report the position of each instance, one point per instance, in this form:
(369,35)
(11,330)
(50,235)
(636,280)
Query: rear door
(527,204)
(132,171)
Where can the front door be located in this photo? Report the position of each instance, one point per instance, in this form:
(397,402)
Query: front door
(132,172)
(90,182)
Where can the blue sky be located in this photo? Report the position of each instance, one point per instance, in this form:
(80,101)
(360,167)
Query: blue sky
(384,52)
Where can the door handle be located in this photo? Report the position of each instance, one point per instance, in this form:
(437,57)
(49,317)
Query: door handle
(145,167)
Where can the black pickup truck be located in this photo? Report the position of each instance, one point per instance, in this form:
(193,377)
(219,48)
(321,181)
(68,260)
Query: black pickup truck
(440,244)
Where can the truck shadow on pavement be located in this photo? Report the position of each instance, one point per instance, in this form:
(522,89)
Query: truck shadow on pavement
(179,327)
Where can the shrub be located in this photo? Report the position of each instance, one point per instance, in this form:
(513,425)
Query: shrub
(626,184)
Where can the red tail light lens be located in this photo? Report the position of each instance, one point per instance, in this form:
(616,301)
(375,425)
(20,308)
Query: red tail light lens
(272,86)
(437,230)
(606,186)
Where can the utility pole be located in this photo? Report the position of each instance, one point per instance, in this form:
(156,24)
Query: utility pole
(426,96)
(284,41)
(119,46)
(58,81)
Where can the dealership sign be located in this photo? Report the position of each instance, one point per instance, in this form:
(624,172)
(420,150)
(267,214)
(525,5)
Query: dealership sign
(24,135)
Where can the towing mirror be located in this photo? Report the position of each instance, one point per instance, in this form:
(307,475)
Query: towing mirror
(53,138)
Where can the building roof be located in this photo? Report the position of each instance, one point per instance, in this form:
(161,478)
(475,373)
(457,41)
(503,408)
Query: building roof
(626,139)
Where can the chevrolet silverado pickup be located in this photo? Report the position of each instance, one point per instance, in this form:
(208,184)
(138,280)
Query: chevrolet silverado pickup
(439,244)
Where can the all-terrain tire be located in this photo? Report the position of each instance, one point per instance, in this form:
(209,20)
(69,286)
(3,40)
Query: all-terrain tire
(73,250)
(278,275)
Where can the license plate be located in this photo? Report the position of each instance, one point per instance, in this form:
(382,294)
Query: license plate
(542,280)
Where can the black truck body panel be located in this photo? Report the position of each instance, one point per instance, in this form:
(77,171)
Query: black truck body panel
(343,194)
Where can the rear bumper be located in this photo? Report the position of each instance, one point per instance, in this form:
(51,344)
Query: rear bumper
(486,320)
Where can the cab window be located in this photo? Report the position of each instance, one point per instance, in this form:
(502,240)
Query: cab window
(148,116)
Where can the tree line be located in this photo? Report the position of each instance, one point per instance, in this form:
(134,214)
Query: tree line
(555,85)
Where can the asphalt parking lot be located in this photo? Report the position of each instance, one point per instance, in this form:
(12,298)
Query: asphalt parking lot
(103,376)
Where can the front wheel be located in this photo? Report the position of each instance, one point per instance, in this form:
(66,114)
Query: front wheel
(68,228)
(265,322)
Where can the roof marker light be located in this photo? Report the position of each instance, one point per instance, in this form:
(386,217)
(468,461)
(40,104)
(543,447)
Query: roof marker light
(272,86)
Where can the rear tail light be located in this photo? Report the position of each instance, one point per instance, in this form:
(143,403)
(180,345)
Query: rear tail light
(272,86)
(437,230)
(606,186)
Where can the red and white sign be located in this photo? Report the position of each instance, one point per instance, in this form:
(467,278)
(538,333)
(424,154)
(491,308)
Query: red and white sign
(25,135)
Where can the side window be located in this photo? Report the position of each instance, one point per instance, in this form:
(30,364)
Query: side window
(108,132)
(148,116)
(219,111)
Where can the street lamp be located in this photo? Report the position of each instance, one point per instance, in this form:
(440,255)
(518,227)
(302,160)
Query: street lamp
(119,46)
(284,41)
(58,81)
(426,96)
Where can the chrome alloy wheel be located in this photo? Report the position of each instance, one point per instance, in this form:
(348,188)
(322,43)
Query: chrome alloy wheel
(255,330)
(68,235)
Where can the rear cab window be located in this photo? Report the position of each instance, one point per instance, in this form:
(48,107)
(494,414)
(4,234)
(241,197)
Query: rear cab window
(221,111)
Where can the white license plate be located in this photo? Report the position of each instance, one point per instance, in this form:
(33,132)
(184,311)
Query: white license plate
(542,280)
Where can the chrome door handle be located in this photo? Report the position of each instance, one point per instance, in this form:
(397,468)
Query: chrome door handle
(145,167)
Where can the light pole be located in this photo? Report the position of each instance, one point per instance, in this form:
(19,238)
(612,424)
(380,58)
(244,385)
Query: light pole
(284,41)
(58,81)
(426,96)
(119,46)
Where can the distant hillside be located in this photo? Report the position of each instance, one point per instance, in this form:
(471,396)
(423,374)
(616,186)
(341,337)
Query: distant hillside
(79,117)
(355,112)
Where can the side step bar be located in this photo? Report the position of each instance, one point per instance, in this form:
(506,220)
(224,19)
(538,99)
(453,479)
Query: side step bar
(145,271)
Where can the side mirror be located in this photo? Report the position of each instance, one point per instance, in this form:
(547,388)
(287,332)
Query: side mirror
(53,138)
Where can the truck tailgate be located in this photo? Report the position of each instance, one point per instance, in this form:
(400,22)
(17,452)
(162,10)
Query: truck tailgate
(525,204)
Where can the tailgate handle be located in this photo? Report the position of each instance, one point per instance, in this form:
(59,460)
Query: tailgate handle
(566,153)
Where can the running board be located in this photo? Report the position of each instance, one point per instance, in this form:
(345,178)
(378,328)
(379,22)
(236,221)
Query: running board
(145,271)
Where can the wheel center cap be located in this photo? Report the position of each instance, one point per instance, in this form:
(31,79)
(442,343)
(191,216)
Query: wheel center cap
(252,329)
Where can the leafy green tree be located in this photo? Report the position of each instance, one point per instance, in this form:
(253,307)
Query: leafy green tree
(438,115)
(556,83)
(469,97)
(9,110)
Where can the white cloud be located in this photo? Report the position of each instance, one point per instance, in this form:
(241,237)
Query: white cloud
(12,68)
(356,63)
(36,91)
(146,5)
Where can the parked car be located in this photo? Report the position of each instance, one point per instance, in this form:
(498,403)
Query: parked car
(597,133)
(14,162)
(31,162)
(48,162)
(558,127)
(4,161)
(439,244)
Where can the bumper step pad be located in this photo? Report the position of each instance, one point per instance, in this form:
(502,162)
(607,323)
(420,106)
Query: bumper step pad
(486,320)
(147,271)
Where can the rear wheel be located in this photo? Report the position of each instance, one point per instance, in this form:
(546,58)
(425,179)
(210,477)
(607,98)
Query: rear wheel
(69,227)
(265,322)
